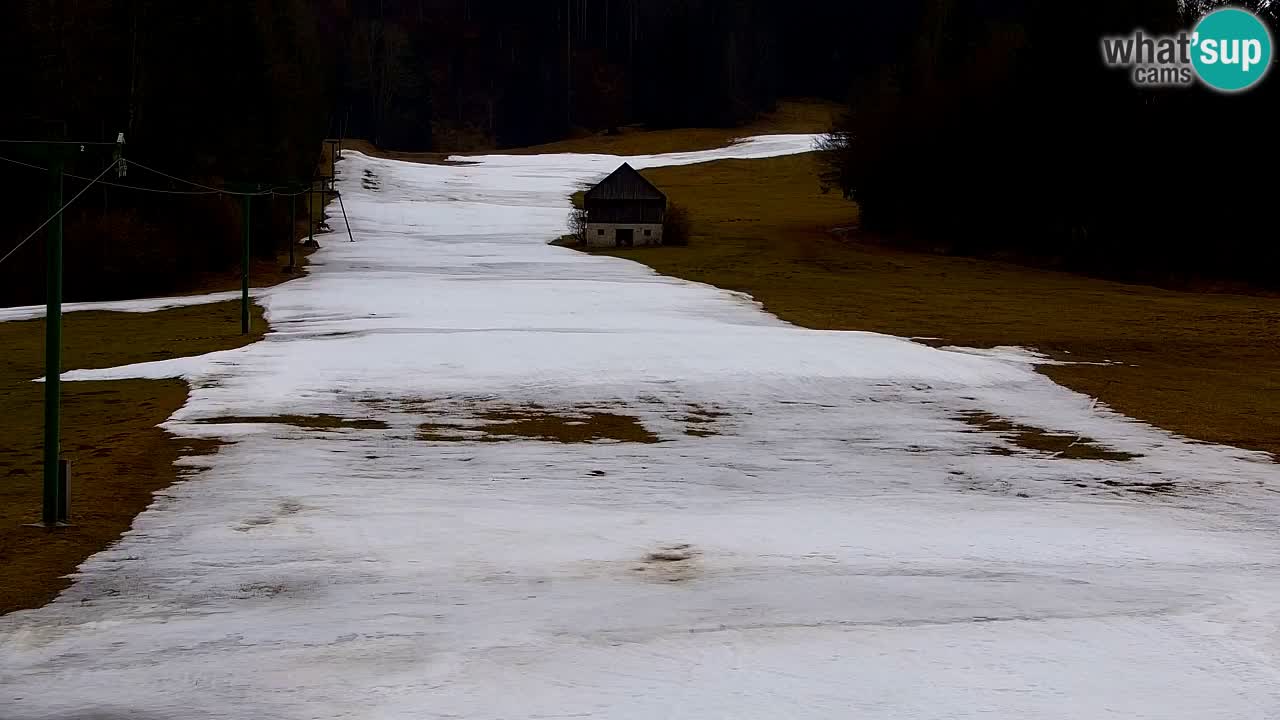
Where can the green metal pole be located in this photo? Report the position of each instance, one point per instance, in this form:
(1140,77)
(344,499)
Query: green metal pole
(311,215)
(293,224)
(53,346)
(244,272)
(333,164)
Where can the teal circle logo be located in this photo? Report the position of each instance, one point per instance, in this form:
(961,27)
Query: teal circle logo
(1231,49)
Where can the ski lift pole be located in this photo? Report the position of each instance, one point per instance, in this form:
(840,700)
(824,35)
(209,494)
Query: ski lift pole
(293,225)
(244,268)
(54,504)
(333,164)
(311,214)
(344,216)
(53,348)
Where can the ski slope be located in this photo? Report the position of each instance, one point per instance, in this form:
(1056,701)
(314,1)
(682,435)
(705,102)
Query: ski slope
(843,545)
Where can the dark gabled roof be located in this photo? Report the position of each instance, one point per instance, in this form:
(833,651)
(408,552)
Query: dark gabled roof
(625,183)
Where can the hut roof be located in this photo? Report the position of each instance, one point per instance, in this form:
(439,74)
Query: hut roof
(625,183)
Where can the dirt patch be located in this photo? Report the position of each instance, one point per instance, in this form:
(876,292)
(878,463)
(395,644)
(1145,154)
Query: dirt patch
(441,432)
(283,510)
(588,426)
(1155,488)
(1057,445)
(262,590)
(669,563)
(671,553)
(313,422)
(118,456)
(537,423)
(702,421)
(581,424)
(583,427)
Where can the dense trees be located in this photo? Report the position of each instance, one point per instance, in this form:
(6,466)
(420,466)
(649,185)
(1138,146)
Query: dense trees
(458,74)
(995,128)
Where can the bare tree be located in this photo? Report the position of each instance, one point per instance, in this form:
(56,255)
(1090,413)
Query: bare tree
(578,225)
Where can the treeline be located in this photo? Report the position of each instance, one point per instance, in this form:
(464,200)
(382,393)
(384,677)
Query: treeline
(465,74)
(995,129)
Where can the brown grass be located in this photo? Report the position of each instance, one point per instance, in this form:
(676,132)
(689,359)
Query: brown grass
(118,456)
(792,116)
(701,421)
(536,423)
(592,426)
(1203,365)
(311,422)
(1058,445)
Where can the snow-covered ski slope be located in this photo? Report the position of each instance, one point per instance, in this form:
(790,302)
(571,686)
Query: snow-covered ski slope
(145,305)
(843,545)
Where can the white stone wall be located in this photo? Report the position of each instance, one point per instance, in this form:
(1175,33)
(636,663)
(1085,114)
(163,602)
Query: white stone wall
(605,234)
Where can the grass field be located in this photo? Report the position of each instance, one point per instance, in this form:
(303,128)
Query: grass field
(118,456)
(1203,365)
(793,116)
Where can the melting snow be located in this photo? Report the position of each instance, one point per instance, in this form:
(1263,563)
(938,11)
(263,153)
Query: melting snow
(145,305)
(842,545)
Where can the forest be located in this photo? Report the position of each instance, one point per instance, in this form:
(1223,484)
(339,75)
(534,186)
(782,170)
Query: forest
(997,130)
(979,127)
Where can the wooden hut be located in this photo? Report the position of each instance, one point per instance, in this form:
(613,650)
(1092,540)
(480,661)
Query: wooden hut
(624,209)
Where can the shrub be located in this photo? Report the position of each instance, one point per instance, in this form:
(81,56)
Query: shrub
(675,226)
(578,225)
